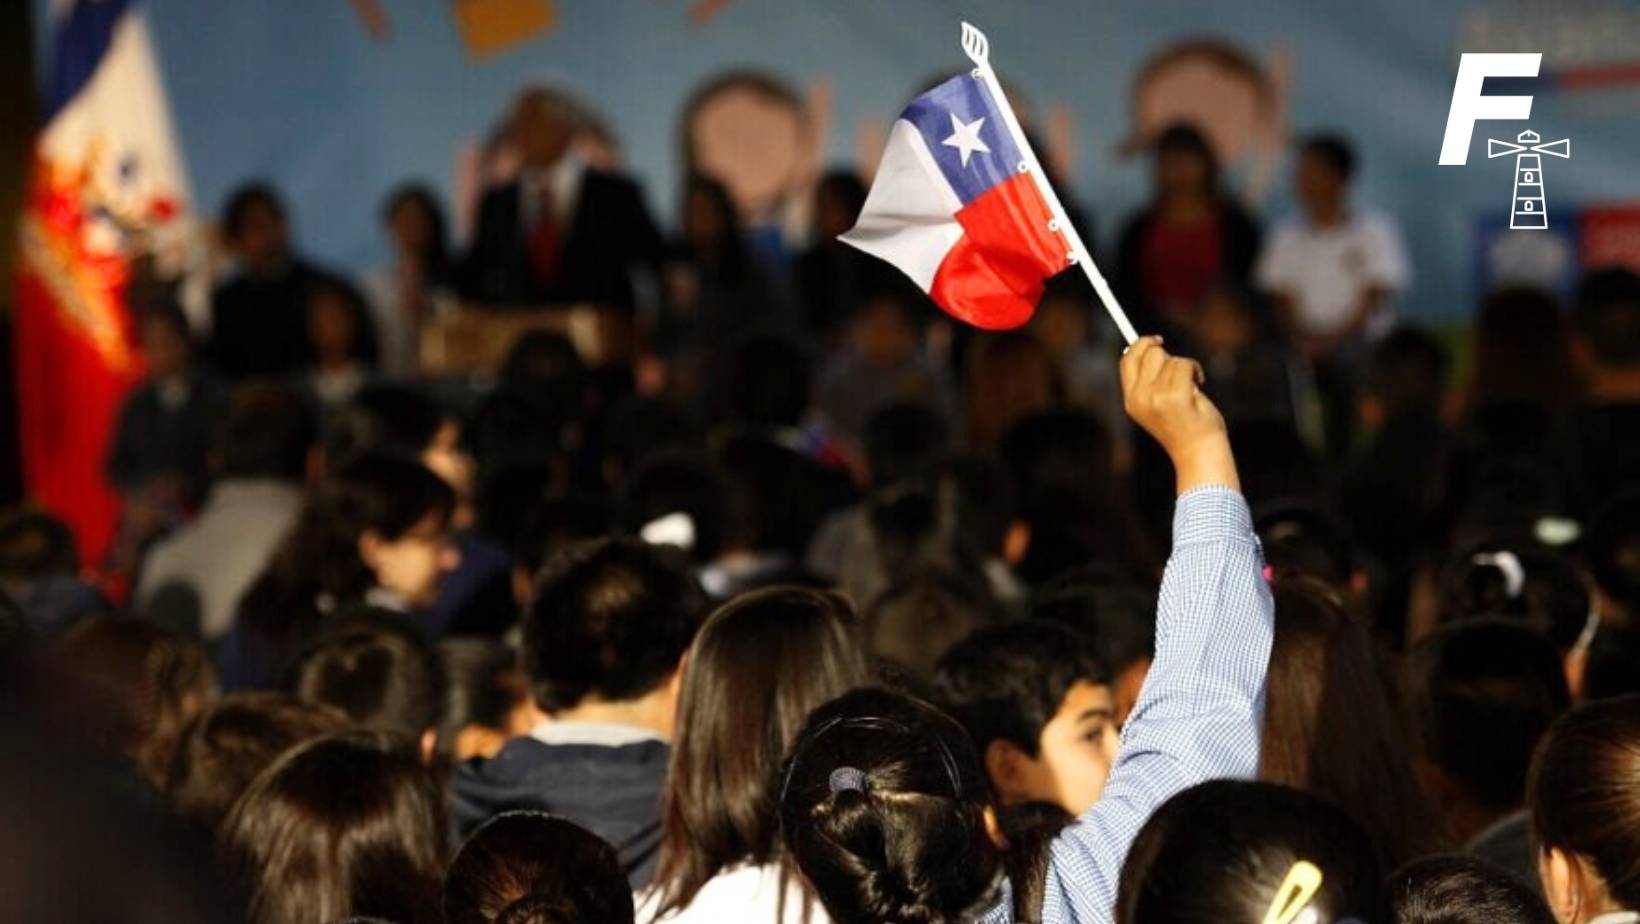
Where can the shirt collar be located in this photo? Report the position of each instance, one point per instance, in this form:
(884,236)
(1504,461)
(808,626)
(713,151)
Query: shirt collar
(602,734)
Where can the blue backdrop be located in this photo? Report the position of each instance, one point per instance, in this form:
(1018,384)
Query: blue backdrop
(297,92)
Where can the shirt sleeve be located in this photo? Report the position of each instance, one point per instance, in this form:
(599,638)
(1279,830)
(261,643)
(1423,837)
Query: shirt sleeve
(1274,270)
(1387,264)
(1201,708)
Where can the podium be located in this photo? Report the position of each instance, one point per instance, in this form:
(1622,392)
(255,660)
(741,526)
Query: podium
(474,341)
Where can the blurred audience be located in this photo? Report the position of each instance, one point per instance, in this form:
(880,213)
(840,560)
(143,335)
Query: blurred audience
(654,611)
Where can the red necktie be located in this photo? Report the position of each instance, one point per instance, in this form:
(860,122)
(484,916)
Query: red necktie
(546,244)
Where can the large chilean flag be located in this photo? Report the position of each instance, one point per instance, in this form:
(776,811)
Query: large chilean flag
(107,187)
(954,207)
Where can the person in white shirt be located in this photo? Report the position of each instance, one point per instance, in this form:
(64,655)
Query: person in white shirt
(1333,272)
(261,458)
(757,668)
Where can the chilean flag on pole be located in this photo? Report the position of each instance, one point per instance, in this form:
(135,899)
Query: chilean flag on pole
(960,205)
(952,208)
(107,186)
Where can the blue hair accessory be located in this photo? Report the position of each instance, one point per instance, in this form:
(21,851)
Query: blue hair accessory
(848,779)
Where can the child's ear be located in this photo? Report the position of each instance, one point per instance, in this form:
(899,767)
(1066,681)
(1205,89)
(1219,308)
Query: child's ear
(1016,543)
(1562,887)
(370,542)
(1004,764)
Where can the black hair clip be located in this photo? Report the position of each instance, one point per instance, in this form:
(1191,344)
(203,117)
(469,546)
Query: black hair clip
(846,779)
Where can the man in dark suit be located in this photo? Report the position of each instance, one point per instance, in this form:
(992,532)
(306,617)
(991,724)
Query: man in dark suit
(562,232)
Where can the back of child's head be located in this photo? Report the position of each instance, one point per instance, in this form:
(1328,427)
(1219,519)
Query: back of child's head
(637,427)
(35,545)
(676,498)
(1480,694)
(1518,579)
(380,673)
(1304,537)
(1584,795)
(1614,664)
(1058,450)
(1109,607)
(349,824)
(483,689)
(917,619)
(902,440)
(268,433)
(1331,726)
(1274,461)
(766,508)
(1608,316)
(233,741)
(1611,547)
(760,664)
(610,618)
(1407,372)
(128,688)
(1522,351)
(553,525)
(1008,681)
(1231,852)
(533,868)
(386,418)
(1460,889)
(883,808)
(762,383)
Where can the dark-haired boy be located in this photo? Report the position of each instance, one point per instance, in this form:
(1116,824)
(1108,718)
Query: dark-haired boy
(1037,704)
(604,637)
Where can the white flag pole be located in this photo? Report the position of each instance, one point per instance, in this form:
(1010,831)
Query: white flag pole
(979,51)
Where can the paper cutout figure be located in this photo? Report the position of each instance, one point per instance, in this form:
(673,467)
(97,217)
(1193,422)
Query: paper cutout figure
(493,26)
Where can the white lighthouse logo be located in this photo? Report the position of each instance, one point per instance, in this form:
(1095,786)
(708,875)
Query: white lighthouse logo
(1529,210)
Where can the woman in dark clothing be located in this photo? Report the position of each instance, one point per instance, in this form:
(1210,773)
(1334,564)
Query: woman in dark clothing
(1191,237)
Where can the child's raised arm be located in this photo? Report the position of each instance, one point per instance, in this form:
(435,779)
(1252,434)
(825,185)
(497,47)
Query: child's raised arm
(1199,715)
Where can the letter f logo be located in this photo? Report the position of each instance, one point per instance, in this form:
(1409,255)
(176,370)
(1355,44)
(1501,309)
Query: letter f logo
(1470,106)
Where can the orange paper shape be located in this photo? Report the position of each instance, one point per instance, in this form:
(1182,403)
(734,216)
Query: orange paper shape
(492,26)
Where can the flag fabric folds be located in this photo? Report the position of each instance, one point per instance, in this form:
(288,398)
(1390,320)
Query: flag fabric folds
(107,185)
(954,207)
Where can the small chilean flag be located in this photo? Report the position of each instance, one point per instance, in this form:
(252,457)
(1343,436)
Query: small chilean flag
(955,207)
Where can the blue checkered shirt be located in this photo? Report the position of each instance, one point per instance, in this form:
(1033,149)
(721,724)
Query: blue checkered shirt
(1199,714)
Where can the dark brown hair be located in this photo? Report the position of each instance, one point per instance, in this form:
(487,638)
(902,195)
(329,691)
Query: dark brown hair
(1331,726)
(129,688)
(532,868)
(759,666)
(351,824)
(1218,853)
(1523,352)
(233,741)
(376,668)
(1010,376)
(1584,792)
(883,809)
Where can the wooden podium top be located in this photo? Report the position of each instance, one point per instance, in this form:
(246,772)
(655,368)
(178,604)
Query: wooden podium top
(475,341)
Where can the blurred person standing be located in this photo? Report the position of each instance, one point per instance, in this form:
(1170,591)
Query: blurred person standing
(1191,236)
(259,316)
(160,444)
(562,232)
(343,338)
(1333,272)
(405,292)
